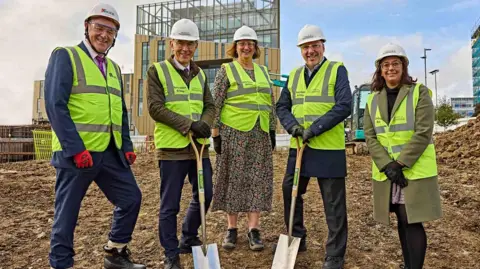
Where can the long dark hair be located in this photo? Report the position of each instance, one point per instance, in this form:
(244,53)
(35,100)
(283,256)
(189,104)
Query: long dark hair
(378,82)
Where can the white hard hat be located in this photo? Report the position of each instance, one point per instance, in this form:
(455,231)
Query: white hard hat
(245,32)
(310,33)
(391,49)
(104,10)
(185,29)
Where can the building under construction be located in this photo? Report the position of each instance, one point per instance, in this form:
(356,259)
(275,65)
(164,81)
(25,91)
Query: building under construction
(217,21)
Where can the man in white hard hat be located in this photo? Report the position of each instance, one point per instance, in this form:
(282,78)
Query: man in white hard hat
(91,141)
(180,102)
(312,106)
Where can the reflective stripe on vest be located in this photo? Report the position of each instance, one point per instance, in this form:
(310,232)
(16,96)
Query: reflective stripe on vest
(95,102)
(181,99)
(247,100)
(312,102)
(395,136)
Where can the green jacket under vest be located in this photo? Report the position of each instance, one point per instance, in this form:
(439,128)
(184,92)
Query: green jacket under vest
(422,196)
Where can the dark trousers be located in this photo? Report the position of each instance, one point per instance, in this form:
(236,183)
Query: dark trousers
(334,202)
(119,186)
(172,177)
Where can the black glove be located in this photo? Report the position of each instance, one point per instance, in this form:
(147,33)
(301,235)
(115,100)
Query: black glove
(307,134)
(217,144)
(297,131)
(201,129)
(273,139)
(394,172)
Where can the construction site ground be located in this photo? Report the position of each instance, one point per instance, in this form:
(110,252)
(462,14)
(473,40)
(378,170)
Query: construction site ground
(27,200)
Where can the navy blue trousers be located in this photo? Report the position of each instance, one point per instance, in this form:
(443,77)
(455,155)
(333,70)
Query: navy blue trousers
(172,178)
(116,181)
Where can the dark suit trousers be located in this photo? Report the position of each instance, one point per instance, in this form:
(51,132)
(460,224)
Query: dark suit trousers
(334,202)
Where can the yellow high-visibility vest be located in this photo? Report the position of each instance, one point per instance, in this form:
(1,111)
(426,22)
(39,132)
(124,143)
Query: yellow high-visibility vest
(95,103)
(395,135)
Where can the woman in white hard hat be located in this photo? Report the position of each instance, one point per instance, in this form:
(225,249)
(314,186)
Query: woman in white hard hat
(398,123)
(244,137)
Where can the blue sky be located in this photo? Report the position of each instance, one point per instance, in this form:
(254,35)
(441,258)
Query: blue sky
(355,30)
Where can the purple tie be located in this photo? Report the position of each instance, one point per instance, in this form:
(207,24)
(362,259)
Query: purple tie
(100,61)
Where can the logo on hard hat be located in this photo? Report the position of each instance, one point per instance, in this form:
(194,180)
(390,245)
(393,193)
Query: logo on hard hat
(184,33)
(245,35)
(107,11)
(308,36)
(389,51)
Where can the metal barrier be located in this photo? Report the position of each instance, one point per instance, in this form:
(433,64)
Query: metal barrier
(42,141)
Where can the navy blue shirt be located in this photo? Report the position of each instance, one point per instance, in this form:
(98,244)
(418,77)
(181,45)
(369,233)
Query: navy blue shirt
(315,162)
(58,86)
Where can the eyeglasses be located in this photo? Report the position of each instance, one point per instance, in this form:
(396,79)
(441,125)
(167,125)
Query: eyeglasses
(246,44)
(313,46)
(183,43)
(104,28)
(394,65)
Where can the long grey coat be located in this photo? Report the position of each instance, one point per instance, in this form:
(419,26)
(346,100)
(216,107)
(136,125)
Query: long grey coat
(422,196)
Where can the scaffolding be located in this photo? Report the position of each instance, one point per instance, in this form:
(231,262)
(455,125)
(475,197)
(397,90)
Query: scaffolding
(217,20)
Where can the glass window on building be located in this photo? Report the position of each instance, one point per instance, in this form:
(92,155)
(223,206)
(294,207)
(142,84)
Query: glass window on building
(42,89)
(161,51)
(140,97)
(127,83)
(195,55)
(145,54)
(266,57)
(216,50)
(223,50)
(38,106)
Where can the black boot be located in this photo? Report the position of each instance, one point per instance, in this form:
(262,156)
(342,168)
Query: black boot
(333,262)
(119,259)
(254,240)
(230,240)
(186,245)
(172,263)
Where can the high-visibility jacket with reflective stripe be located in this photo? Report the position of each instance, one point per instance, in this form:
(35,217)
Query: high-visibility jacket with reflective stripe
(179,98)
(310,103)
(247,100)
(95,103)
(395,135)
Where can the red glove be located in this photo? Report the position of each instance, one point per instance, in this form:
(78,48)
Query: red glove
(83,159)
(131,157)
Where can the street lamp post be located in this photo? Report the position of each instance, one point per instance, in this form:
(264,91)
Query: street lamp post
(434,72)
(424,57)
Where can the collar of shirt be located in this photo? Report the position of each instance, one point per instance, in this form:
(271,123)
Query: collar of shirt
(92,53)
(180,66)
(309,72)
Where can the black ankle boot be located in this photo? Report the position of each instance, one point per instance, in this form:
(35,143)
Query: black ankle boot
(230,240)
(254,240)
(172,263)
(119,259)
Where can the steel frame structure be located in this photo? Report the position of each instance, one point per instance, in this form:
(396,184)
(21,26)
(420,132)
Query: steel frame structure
(217,19)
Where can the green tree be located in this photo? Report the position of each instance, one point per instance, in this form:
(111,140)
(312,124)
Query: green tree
(445,115)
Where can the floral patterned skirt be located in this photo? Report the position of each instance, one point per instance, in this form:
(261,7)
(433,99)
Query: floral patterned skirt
(243,177)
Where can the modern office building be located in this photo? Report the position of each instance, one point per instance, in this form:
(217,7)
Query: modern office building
(475,43)
(217,21)
(463,106)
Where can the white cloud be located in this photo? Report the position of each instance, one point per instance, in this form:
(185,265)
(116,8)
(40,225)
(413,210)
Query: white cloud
(460,5)
(32,29)
(349,3)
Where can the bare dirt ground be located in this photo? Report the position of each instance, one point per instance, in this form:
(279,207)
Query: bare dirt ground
(27,197)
